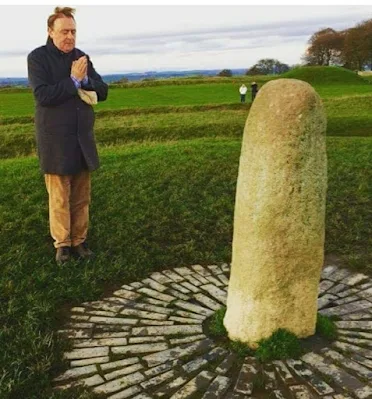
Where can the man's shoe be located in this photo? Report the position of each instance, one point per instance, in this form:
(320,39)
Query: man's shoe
(63,255)
(82,251)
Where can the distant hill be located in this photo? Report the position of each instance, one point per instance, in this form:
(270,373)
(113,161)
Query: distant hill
(325,75)
(134,76)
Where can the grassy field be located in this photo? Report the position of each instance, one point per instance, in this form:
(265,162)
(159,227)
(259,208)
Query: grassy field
(164,199)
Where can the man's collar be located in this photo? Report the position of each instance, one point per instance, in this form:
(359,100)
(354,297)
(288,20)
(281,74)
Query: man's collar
(52,47)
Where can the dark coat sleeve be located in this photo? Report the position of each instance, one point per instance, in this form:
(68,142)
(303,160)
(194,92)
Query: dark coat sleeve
(95,83)
(45,93)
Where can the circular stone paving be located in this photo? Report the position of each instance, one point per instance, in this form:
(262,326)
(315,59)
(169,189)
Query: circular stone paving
(147,341)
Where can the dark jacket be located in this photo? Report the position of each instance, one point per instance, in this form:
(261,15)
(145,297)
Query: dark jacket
(64,123)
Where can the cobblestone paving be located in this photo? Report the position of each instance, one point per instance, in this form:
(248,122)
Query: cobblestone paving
(147,341)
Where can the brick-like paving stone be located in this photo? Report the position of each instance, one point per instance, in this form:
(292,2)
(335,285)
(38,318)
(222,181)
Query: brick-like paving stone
(147,341)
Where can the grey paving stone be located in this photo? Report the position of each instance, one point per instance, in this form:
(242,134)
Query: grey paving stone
(347,363)
(136,285)
(177,352)
(77,372)
(141,340)
(92,381)
(343,379)
(183,313)
(269,376)
(79,317)
(80,326)
(106,305)
(157,295)
(214,269)
(104,313)
(215,281)
(207,301)
(201,270)
(126,393)
(320,386)
(89,343)
(338,288)
(324,286)
(365,293)
(123,371)
(300,392)
(244,383)
(190,286)
(361,360)
(120,363)
(191,279)
(218,388)
(338,275)
(120,334)
(120,383)
(143,314)
(202,361)
(126,294)
(71,333)
(185,320)
(200,278)
(140,348)
(356,325)
(284,373)
(352,348)
(111,328)
(174,276)
(170,330)
(356,341)
(78,309)
(225,267)
(89,361)
(190,338)
(152,308)
(193,308)
(156,302)
(149,322)
(86,353)
(327,271)
(161,278)
(347,308)
(354,279)
(159,379)
(127,287)
(347,293)
(178,295)
(278,394)
(348,299)
(160,369)
(142,396)
(113,320)
(117,302)
(197,384)
(357,316)
(326,300)
(215,292)
(154,285)
(171,386)
(356,334)
(181,288)
(183,271)
(224,280)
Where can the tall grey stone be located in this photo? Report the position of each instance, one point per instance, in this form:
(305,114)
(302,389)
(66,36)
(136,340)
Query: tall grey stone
(278,241)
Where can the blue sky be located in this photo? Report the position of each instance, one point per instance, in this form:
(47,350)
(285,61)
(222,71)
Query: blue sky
(124,38)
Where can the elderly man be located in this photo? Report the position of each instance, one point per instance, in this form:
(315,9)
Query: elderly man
(65,84)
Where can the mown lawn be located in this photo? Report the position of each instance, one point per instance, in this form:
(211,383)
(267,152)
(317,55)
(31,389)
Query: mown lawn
(154,206)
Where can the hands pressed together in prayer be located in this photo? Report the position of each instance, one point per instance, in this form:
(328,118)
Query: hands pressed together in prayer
(79,68)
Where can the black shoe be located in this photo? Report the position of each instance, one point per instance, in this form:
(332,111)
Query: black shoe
(63,255)
(82,251)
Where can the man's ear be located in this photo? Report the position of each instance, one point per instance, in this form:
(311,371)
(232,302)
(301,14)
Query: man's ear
(50,33)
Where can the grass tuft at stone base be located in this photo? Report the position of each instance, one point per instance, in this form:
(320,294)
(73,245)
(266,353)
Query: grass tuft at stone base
(326,327)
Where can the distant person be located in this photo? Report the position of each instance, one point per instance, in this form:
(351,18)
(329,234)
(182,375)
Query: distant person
(64,119)
(243,91)
(254,87)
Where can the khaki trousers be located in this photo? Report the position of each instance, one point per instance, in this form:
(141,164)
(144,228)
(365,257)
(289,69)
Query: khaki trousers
(69,199)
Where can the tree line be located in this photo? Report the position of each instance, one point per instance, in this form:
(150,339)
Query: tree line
(350,48)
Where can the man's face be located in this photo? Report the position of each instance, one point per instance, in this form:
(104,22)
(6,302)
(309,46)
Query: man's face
(63,34)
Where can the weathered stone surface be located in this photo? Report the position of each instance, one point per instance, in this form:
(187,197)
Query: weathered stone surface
(89,361)
(357,341)
(92,381)
(206,301)
(191,287)
(197,384)
(183,313)
(300,392)
(226,364)
(86,353)
(347,308)
(167,388)
(200,278)
(194,308)
(324,286)
(170,330)
(160,369)
(356,334)
(215,281)
(126,393)
(77,372)
(157,295)
(174,276)
(337,289)
(215,292)
(185,320)
(126,294)
(279,215)
(249,370)
(181,288)
(124,371)
(338,275)
(328,270)
(119,363)
(149,322)
(357,325)
(269,376)
(346,299)
(354,279)
(120,383)
(76,333)
(357,316)
(201,361)
(143,314)
(161,278)
(224,280)
(217,388)
(159,379)
(215,269)
(140,348)
(151,308)
(201,270)
(177,352)
(178,294)
(283,372)
(154,284)
(353,348)
(89,343)
(191,338)
(325,300)
(141,340)
(191,279)
(113,320)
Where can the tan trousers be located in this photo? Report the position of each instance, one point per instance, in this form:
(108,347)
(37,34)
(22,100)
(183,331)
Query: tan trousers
(69,198)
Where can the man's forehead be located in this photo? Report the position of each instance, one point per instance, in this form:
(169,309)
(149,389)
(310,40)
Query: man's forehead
(64,23)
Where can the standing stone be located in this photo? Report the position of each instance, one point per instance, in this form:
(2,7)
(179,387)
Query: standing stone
(279,216)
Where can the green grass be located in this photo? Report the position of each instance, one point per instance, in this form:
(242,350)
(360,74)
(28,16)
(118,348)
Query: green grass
(216,327)
(326,327)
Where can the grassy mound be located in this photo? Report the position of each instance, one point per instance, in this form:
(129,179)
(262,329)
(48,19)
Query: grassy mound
(323,75)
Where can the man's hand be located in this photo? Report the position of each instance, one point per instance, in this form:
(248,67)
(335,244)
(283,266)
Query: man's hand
(79,68)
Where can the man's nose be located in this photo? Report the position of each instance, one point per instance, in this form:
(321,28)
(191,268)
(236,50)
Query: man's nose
(70,35)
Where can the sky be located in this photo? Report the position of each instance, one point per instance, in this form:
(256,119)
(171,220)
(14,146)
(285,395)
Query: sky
(128,38)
